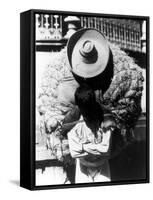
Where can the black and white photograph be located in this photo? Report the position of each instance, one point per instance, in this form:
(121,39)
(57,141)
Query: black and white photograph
(76,100)
(90,99)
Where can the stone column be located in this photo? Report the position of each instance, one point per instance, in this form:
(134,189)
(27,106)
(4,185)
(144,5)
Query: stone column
(143,38)
(72,22)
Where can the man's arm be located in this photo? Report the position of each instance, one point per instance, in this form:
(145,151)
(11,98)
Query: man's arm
(75,146)
(77,149)
(102,148)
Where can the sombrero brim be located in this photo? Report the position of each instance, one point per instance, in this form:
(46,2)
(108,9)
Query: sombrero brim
(75,43)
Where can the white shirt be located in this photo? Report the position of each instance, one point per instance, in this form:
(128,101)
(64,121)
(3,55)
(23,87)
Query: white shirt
(90,167)
(81,135)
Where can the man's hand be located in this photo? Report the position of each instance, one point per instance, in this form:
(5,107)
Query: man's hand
(108,123)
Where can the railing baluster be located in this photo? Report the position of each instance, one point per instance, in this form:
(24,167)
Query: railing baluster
(109,31)
(130,39)
(51,21)
(37,21)
(60,21)
(82,24)
(124,36)
(125,33)
(88,22)
(98,21)
(46,21)
(42,20)
(134,40)
(118,32)
(95,22)
(112,31)
(85,22)
(92,22)
(100,27)
(106,31)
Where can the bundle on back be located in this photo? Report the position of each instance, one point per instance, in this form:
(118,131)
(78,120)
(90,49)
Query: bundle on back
(122,98)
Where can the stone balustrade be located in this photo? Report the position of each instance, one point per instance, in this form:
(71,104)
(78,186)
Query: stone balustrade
(125,33)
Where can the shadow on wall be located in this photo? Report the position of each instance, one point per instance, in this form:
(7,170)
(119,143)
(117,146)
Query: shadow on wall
(15,182)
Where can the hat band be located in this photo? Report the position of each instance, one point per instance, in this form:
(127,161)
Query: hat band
(88,52)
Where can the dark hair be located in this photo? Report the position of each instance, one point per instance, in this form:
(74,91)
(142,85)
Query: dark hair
(90,109)
(84,96)
(93,114)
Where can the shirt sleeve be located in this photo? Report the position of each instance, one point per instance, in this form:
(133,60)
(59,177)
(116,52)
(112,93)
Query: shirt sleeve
(75,145)
(105,145)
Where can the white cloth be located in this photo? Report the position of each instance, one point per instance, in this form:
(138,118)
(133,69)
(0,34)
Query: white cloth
(90,167)
(89,175)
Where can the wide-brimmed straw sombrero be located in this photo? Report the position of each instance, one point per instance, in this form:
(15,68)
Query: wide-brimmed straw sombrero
(88,53)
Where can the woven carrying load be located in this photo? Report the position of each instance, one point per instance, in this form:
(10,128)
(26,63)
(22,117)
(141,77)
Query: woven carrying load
(122,98)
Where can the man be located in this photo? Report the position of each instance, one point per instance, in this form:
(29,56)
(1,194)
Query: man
(90,139)
(117,83)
